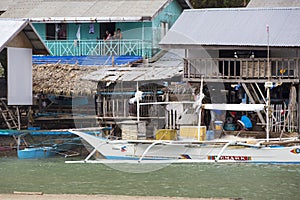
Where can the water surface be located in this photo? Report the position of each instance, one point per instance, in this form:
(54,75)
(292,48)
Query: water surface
(247,181)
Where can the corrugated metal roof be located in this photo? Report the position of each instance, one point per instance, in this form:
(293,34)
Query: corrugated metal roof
(168,66)
(113,10)
(10,28)
(274,3)
(133,73)
(235,27)
(4,4)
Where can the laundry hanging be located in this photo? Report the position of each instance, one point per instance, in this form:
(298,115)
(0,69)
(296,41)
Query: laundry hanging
(92,29)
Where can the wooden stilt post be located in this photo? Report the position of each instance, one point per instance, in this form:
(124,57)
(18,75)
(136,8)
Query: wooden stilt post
(267,86)
(298,109)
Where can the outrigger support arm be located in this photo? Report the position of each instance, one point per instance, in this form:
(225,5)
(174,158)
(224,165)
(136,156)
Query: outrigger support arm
(223,149)
(258,145)
(92,152)
(148,148)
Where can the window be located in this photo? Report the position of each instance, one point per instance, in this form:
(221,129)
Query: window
(164,28)
(56,31)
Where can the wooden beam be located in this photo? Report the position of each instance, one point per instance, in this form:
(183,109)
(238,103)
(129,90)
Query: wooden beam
(298,111)
(253,101)
(235,107)
(221,80)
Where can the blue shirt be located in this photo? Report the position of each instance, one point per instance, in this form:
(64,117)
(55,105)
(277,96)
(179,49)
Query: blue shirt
(246,121)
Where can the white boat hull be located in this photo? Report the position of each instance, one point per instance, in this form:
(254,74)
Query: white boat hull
(175,151)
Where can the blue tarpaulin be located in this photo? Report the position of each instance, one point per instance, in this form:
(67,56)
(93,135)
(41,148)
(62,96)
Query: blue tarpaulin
(32,132)
(36,131)
(86,60)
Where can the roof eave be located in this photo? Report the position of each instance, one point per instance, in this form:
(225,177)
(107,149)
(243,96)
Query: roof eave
(4,45)
(231,46)
(187,2)
(88,19)
(44,50)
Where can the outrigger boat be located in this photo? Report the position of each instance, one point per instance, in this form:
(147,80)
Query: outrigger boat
(233,150)
(285,151)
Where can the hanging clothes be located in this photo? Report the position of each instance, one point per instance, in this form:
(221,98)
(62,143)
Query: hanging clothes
(92,29)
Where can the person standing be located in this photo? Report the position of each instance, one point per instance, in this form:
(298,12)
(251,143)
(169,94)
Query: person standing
(107,35)
(119,34)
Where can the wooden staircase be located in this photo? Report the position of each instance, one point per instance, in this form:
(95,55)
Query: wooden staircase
(7,115)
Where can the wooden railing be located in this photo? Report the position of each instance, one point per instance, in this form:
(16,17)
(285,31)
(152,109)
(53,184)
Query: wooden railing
(241,68)
(99,47)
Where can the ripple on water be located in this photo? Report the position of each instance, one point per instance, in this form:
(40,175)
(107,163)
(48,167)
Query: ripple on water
(246,181)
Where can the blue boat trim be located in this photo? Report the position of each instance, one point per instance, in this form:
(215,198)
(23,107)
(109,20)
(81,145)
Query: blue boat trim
(275,162)
(246,162)
(132,158)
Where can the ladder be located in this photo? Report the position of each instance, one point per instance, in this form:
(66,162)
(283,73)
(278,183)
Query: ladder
(7,115)
(254,98)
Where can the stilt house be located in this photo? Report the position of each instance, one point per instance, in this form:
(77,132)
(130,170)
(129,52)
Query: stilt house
(237,51)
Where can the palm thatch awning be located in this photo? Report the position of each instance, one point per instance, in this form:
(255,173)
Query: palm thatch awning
(63,79)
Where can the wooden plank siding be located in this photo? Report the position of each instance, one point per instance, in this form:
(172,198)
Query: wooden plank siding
(232,69)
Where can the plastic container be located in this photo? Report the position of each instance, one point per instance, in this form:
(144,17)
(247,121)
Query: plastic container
(166,134)
(218,125)
(210,135)
(192,132)
(229,127)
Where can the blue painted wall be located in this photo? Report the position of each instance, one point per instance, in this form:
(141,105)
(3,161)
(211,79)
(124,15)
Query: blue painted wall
(41,29)
(84,31)
(169,15)
(130,30)
(134,30)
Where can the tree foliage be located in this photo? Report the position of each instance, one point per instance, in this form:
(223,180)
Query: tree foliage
(218,3)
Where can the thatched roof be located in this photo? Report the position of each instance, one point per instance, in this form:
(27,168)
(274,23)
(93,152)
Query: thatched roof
(63,79)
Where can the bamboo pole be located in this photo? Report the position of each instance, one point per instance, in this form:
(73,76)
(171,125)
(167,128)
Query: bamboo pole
(268,86)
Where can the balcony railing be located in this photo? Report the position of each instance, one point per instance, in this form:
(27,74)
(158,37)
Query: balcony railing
(228,68)
(99,47)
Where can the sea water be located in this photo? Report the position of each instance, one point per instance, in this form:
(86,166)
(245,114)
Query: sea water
(246,181)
